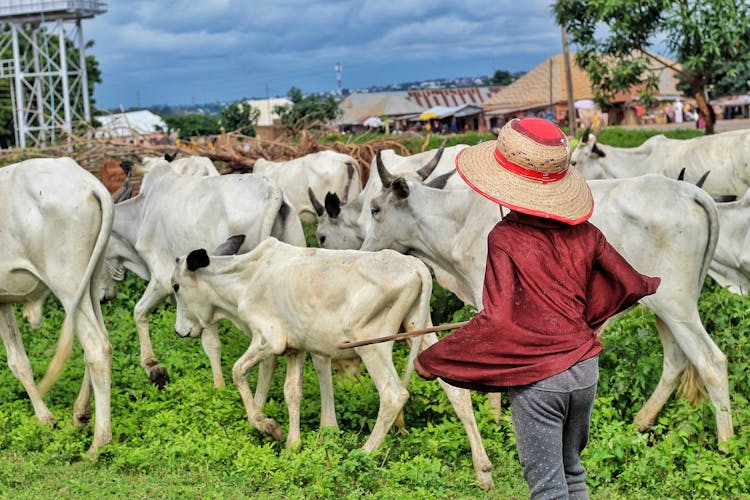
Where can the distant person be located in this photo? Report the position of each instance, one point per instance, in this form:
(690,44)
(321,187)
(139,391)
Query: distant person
(454,125)
(678,107)
(669,111)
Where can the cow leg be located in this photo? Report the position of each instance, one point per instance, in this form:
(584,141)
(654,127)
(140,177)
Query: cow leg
(461,401)
(295,365)
(322,366)
(241,368)
(265,376)
(711,364)
(97,352)
(19,364)
(494,401)
(82,406)
(151,298)
(673,364)
(212,347)
(379,363)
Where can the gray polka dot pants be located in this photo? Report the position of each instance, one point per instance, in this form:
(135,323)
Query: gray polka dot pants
(552,428)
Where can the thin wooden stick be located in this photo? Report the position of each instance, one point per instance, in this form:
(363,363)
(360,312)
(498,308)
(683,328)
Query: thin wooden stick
(402,335)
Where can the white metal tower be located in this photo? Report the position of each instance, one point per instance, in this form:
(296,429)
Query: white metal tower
(47,71)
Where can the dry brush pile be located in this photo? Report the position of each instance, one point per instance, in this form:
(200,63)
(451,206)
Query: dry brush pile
(233,153)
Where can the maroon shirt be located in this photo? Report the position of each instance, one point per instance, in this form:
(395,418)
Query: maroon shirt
(548,287)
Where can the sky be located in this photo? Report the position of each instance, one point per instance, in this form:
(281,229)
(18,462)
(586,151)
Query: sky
(182,52)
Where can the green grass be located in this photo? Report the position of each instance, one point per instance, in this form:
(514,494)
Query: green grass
(192,440)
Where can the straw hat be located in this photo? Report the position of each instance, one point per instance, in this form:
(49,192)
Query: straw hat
(527,170)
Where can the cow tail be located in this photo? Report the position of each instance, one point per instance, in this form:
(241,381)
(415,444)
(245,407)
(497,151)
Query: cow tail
(65,344)
(703,199)
(421,312)
(691,385)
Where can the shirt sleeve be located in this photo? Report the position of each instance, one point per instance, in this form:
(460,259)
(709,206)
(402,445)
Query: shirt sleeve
(614,285)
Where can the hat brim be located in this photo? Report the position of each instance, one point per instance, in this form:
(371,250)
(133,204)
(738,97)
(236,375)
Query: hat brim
(567,199)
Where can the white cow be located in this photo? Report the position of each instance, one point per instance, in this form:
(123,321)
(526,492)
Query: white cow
(187,165)
(55,219)
(726,155)
(176,213)
(341,225)
(731,263)
(674,238)
(290,300)
(321,172)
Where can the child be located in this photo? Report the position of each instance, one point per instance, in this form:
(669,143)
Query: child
(551,281)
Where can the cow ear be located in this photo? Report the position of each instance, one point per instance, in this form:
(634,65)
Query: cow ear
(595,149)
(126,166)
(333,205)
(231,246)
(400,188)
(197,259)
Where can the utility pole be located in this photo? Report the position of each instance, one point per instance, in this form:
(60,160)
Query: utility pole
(572,122)
(338,77)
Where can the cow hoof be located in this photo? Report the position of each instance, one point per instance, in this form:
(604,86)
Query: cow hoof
(49,420)
(82,419)
(271,427)
(485,481)
(158,376)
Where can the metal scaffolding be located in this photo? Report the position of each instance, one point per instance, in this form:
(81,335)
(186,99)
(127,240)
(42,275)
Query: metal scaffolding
(47,72)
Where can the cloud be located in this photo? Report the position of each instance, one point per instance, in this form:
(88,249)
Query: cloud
(228,49)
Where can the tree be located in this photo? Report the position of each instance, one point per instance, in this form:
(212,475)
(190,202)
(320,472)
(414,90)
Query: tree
(309,112)
(710,40)
(240,117)
(502,77)
(193,125)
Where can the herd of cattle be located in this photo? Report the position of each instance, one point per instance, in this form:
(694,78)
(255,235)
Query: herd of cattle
(232,246)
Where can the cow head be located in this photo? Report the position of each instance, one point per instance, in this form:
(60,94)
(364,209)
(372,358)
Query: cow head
(193,314)
(194,310)
(337,226)
(384,230)
(587,156)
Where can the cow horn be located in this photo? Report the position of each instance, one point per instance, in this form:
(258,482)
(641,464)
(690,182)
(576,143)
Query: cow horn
(725,198)
(385,176)
(319,210)
(702,179)
(425,171)
(125,195)
(585,137)
(440,181)
(681,176)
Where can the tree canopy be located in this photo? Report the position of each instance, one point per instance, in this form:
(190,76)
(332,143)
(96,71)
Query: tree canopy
(193,125)
(240,117)
(306,112)
(616,40)
(502,77)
